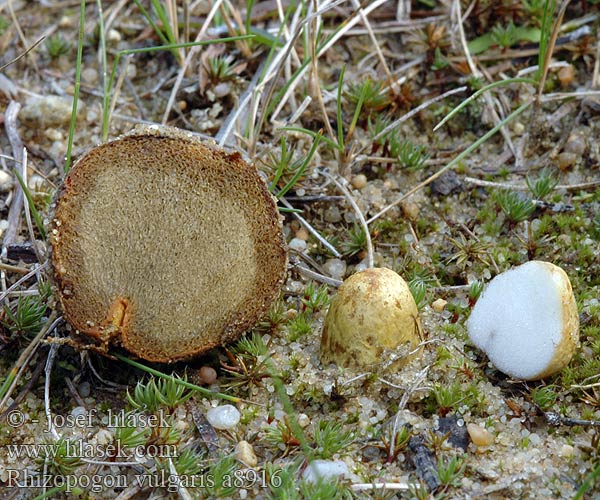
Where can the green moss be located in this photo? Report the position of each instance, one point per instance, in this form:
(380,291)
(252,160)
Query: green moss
(579,370)
(545,226)
(567,223)
(298,327)
(450,397)
(443,353)
(249,414)
(455,331)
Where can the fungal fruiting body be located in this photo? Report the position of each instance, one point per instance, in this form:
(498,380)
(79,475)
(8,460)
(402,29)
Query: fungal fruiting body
(372,323)
(165,244)
(526,321)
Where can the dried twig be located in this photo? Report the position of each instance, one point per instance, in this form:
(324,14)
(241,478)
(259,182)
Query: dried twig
(380,486)
(403,402)
(74,392)
(14,269)
(27,211)
(522,187)
(309,273)
(21,396)
(25,357)
(341,186)
(14,214)
(29,274)
(174,478)
(48,371)
(311,229)
(20,56)
(130,492)
(487,97)
(556,420)
(190,56)
(409,115)
(550,50)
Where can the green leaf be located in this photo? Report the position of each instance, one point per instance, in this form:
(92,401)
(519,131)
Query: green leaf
(520,34)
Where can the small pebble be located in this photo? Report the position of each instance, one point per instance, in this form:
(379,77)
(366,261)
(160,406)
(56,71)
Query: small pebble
(439,305)
(391,183)
(84,389)
(359,181)
(35,182)
(208,375)
(6,181)
(54,134)
(372,454)
(223,417)
(575,144)
(362,265)
(410,210)
(48,111)
(447,183)
(566,451)
(325,469)
(518,128)
(89,75)
(479,435)
(104,437)
(131,71)
(222,89)
(336,268)
(113,36)
(245,454)
(181,425)
(566,74)
(297,244)
(535,439)
(566,160)
(294,286)
(302,234)
(66,22)
(332,214)
(79,411)
(303,420)
(290,314)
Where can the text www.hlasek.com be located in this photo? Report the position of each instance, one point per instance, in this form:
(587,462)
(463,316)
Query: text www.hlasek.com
(85,450)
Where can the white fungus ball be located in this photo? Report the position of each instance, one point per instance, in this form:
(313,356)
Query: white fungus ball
(526,321)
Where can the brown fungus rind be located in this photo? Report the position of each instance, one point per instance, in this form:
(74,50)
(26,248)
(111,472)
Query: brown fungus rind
(166,245)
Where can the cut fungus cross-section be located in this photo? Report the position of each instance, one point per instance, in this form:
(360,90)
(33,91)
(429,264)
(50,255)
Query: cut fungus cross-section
(166,244)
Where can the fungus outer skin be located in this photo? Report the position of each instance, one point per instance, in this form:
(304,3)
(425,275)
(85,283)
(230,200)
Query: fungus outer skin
(373,314)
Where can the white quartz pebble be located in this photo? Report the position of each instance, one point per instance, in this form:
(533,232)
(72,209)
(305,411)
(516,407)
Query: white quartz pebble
(325,469)
(223,417)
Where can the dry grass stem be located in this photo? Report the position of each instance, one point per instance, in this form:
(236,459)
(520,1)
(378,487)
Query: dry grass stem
(27,354)
(191,54)
(341,185)
(14,215)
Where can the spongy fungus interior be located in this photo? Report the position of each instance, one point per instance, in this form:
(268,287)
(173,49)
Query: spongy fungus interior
(518,321)
(187,235)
